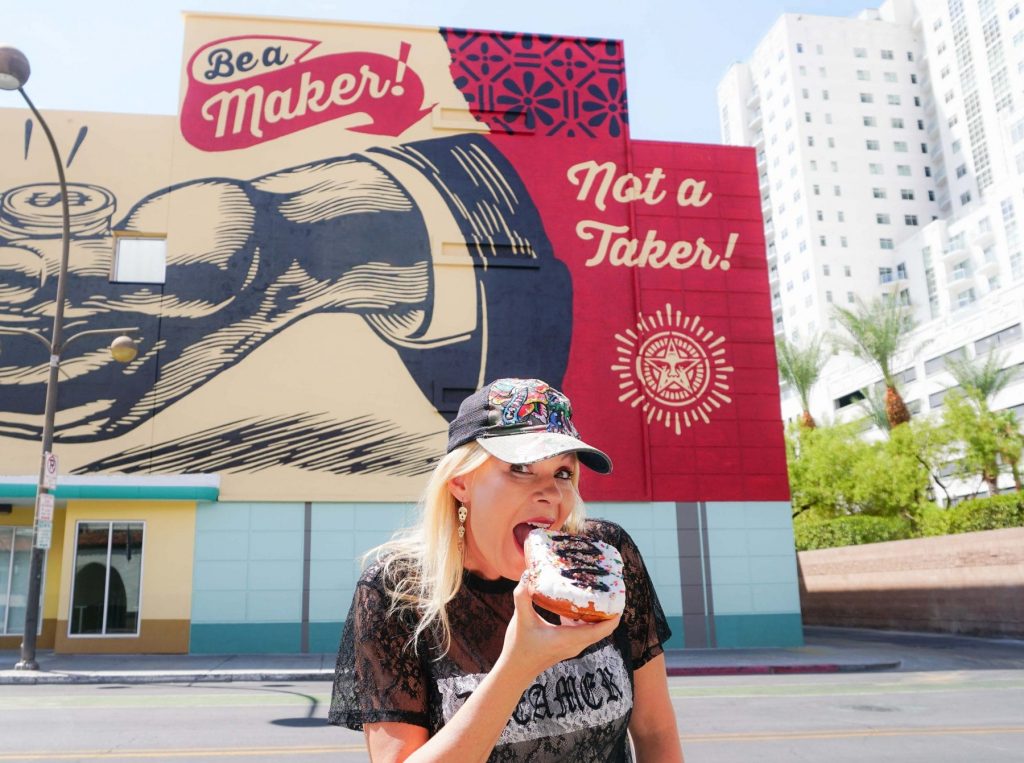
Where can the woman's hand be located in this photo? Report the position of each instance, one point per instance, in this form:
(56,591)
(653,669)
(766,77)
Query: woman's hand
(533,645)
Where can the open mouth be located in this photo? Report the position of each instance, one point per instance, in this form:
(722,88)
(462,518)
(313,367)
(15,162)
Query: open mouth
(521,530)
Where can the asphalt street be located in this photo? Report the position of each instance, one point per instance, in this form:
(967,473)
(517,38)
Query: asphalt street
(952,700)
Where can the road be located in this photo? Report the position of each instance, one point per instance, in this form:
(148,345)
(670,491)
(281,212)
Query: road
(916,715)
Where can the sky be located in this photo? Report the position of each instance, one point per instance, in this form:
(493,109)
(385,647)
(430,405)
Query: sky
(125,56)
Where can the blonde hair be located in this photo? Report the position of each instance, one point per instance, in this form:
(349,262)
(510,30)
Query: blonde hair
(422,565)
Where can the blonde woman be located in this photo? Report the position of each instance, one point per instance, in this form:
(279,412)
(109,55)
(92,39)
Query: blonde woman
(444,657)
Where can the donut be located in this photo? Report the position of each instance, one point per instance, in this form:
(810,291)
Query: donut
(574,576)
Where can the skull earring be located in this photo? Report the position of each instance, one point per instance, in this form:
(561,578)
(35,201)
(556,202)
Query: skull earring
(463,513)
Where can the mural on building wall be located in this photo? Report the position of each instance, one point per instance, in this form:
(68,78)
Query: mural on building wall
(364,224)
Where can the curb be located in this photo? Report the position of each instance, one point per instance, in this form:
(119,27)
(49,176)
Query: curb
(761,670)
(10,678)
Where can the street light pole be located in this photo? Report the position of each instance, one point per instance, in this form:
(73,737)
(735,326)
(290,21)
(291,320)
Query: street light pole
(14,72)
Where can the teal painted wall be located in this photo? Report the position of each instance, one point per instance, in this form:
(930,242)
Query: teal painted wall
(754,584)
(248,576)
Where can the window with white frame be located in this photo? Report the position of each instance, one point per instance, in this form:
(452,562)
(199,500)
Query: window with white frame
(15,554)
(106,591)
(139,259)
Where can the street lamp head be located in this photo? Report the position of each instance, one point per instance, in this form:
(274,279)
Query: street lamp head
(14,68)
(124,349)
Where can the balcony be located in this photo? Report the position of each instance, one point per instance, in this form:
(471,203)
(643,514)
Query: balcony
(753,99)
(755,120)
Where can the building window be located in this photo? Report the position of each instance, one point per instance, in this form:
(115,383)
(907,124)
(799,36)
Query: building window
(875,169)
(1002,338)
(893,100)
(841,216)
(924,148)
(965,197)
(867,98)
(869,121)
(903,169)
(849,297)
(871,144)
(889,76)
(884,275)
(837,191)
(139,259)
(842,241)
(885,243)
(106,589)
(897,123)
(965,298)
(799,47)
(931,195)
(828,297)
(961,170)
(906,194)
(887,55)
(824,95)
(901,271)
(881,218)
(825,269)
(846,271)
(900,146)
(878,193)
(863,74)
(910,219)
(15,549)
(860,52)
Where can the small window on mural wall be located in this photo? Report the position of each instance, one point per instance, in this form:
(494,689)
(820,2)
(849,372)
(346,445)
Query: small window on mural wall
(108,578)
(140,259)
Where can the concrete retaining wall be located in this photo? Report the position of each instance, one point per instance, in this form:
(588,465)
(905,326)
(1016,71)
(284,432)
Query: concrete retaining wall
(971,583)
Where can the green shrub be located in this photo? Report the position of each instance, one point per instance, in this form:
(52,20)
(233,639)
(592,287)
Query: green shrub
(850,530)
(933,521)
(993,513)
(972,515)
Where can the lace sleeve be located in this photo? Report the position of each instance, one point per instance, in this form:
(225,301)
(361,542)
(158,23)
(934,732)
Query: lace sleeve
(644,618)
(378,678)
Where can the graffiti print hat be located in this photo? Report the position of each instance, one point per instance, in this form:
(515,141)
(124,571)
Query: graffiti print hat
(521,421)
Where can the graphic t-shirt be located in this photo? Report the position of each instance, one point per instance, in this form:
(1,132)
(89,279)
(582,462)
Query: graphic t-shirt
(577,710)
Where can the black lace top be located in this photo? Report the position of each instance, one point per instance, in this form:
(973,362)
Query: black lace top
(577,710)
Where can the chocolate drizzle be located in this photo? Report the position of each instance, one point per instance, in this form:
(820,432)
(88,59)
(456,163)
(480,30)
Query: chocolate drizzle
(582,560)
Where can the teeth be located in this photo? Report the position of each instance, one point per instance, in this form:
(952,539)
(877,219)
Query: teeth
(541,525)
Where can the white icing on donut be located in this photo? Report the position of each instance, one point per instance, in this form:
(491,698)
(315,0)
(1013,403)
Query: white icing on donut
(545,568)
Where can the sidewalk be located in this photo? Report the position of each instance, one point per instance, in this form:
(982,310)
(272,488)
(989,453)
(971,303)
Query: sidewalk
(826,650)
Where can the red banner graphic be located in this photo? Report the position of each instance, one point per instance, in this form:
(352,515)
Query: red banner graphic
(243,91)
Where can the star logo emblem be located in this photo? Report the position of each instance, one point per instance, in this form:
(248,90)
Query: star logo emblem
(674,368)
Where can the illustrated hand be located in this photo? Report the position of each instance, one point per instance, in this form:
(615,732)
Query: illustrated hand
(533,645)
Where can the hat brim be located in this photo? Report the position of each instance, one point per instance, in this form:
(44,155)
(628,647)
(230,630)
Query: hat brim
(530,447)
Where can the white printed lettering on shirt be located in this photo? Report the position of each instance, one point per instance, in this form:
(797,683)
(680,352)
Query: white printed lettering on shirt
(575,694)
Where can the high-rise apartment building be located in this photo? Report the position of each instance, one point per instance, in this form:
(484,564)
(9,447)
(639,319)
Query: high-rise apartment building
(891,153)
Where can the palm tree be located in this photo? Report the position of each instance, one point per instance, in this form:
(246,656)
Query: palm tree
(873,406)
(981,382)
(876,332)
(800,367)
